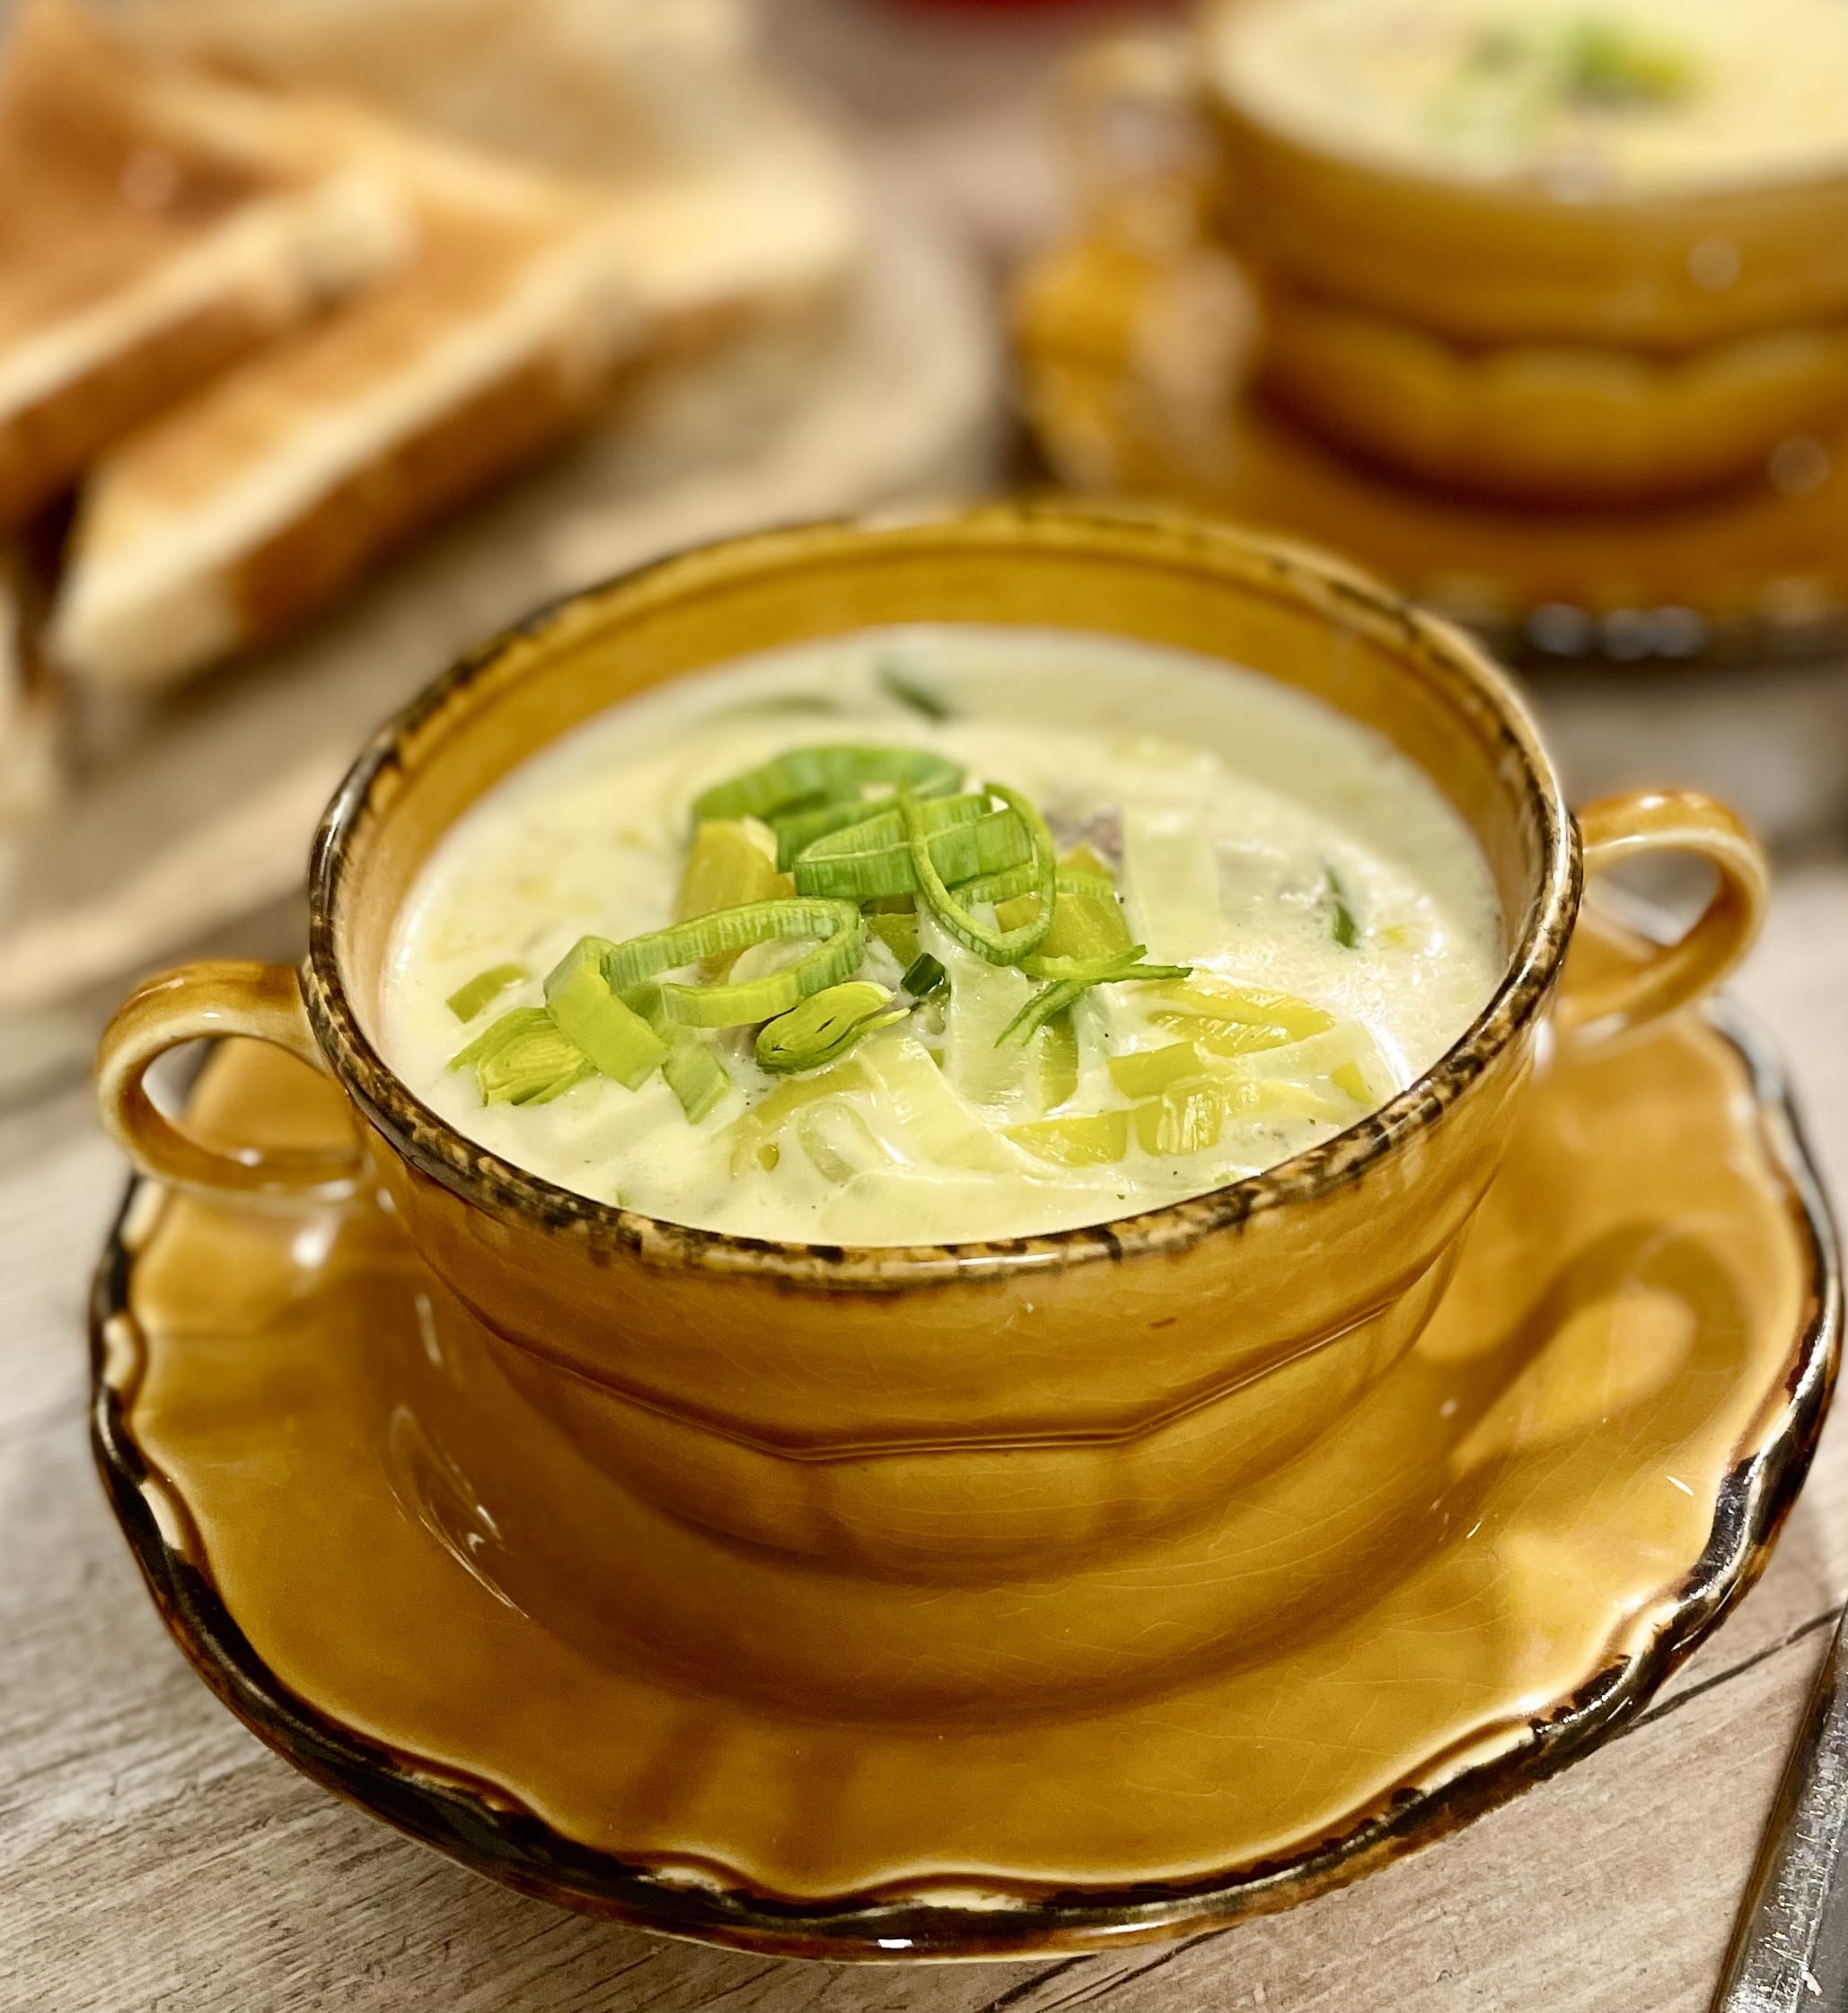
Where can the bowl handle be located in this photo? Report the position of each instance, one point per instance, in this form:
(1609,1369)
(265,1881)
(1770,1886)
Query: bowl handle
(1620,828)
(204,1002)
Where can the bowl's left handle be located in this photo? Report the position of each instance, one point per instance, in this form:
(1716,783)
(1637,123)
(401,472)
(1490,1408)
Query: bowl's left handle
(204,1002)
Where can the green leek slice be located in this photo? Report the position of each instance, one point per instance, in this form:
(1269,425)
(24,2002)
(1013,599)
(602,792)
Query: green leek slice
(526,1058)
(821,775)
(797,830)
(918,697)
(1227,1039)
(824,1026)
(998,946)
(695,1074)
(924,976)
(897,929)
(615,1038)
(1341,926)
(466,1001)
(1215,999)
(965,838)
(1070,980)
(725,868)
(839,925)
(1058,1061)
(1091,1140)
(1147,1072)
(1185,1118)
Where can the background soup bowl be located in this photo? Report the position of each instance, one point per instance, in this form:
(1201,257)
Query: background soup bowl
(965,1419)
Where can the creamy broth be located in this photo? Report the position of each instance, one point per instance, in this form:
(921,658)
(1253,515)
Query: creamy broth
(1281,852)
(1607,95)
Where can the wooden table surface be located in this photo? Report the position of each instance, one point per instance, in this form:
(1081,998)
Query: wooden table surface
(155,1858)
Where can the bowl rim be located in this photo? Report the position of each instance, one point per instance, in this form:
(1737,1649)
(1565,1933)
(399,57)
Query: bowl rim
(1459,669)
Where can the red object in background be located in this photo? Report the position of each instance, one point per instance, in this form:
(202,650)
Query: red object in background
(992,6)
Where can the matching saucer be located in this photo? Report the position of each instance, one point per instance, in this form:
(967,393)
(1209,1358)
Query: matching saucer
(1523,1528)
(1126,353)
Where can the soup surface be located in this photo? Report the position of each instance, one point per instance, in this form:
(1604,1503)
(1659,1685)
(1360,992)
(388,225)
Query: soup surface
(1587,95)
(1263,922)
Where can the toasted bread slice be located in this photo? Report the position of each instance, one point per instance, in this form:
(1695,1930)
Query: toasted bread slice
(154,229)
(30,772)
(235,512)
(733,201)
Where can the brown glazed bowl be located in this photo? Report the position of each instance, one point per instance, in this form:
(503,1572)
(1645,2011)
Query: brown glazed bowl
(816,1436)
(1517,261)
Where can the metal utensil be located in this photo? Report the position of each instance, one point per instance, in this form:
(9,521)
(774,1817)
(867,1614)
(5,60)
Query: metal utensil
(1789,1951)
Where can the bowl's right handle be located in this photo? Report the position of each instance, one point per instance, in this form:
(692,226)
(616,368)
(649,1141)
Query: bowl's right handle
(204,1002)
(1621,828)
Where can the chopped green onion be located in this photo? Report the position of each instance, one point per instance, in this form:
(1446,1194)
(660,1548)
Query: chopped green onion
(1091,1140)
(838,925)
(466,1001)
(1145,1072)
(924,977)
(1341,925)
(823,774)
(998,946)
(526,1058)
(921,699)
(874,859)
(824,1027)
(616,1039)
(694,1075)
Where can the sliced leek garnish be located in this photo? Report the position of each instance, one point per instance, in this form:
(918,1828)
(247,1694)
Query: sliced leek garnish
(1057,1045)
(924,976)
(486,986)
(813,776)
(617,1039)
(1070,978)
(839,925)
(695,1074)
(1147,1072)
(1341,926)
(997,945)
(964,837)
(824,1026)
(526,1058)
(1091,1140)
(725,868)
(1214,998)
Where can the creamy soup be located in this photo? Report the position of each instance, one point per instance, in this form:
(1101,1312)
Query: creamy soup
(939,934)
(1645,95)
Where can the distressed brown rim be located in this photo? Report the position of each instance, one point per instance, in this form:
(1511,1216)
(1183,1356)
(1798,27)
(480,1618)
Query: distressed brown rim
(1457,668)
(484,1827)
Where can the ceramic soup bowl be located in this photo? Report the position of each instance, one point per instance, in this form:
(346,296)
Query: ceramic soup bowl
(836,1434)
(1476,260)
